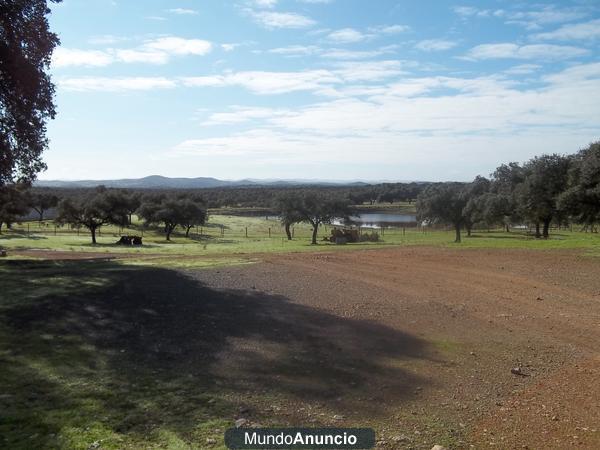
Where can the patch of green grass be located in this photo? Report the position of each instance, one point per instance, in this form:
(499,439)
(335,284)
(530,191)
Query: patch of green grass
(184,262)
(237,236)
(446,346)
(67,379)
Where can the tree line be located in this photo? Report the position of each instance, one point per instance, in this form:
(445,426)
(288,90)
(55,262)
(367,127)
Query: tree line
(559,189)
(547,189)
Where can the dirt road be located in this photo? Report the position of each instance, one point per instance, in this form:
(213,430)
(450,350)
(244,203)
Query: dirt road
(426,341)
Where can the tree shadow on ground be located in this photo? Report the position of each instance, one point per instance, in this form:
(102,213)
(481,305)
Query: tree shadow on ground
(127,351)
(9,235)
(113,245)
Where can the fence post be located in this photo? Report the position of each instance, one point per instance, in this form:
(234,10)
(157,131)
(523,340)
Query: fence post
(269,231)
(55,230)
(246,231)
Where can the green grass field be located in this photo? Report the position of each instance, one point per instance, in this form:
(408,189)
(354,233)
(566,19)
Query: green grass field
(73,377)
(231,239)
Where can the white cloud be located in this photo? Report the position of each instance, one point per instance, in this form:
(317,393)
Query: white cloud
(265,3)
(352,35)
(368,70)
(435,45)
(391,29)
(534,20)
(319,81)
(183,11)
(295,50)
(156,51)
(523,69)
(261,82)
(141,56)
(339,53)
(578,31)
(105,84)
(272,19)
(575,75)
(179,46)
(469,11)
(106,39)
(347,36)
(530,19)
(405,119)
(229,47)
(64,57)
(240,114)
(534,51)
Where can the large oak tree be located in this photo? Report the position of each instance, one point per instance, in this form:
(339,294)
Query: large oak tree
(93,210)
(26,91)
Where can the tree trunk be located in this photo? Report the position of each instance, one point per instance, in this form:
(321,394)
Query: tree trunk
(314,233)
(169,230)
(0,227)
(457,228)
(187,231)
(93,231)
(546,228)
(537,230)
(288,232)
(41,213)
(507,228)
(468,227)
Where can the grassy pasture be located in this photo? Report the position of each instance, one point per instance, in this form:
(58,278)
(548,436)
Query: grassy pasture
(73,376)
(227,238)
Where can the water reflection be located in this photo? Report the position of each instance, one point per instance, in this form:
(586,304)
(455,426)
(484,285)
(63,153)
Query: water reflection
(379,220)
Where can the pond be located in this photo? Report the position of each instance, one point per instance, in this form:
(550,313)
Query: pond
(380,220)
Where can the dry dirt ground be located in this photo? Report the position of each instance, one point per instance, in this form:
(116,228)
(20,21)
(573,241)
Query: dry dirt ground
(420,342)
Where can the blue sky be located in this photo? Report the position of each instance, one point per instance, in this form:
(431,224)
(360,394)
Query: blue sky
(319,89)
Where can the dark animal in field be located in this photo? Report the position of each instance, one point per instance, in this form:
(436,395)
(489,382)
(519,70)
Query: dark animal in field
(130,240)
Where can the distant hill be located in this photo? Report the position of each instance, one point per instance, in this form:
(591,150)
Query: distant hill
(160,182)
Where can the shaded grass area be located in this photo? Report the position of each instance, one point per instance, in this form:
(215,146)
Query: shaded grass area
(101,355)
(209,241)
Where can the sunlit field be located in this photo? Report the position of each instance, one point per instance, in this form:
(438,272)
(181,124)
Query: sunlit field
(235,237)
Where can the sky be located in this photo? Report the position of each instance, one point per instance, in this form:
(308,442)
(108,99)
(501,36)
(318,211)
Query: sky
(319,89)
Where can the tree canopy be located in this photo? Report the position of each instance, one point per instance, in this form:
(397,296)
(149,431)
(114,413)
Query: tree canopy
(581,199)
(13,204)
(545,179)
(98,208)
(172,211)
(314,209)
(26,91)
(444,203)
